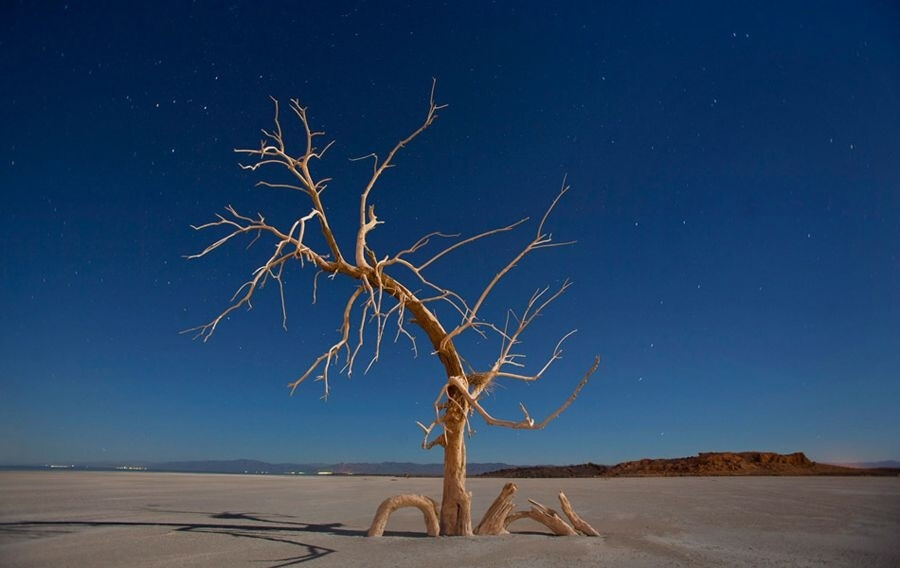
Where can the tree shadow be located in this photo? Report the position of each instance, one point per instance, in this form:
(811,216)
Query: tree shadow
(272,533)
(272,528)
(336,529)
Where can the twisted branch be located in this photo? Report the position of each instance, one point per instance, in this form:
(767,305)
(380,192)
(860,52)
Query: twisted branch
(367,219)
(527,422)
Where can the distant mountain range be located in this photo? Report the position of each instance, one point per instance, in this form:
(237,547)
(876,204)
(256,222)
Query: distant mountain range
(383,468)
(716,463)
(261,467)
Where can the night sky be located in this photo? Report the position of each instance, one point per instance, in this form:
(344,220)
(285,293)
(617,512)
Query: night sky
(735,173)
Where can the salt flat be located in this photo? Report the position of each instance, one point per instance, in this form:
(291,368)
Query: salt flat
(51,519)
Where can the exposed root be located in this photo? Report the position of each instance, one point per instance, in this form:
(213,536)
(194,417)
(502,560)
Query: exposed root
(580,524)
(544,515)
(427,505)
(551,519)
(494,520)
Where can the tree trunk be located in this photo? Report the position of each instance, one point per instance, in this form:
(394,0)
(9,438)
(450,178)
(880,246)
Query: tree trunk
(456,518)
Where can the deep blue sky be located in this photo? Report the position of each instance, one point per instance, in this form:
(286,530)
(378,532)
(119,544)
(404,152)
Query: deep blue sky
(735,172)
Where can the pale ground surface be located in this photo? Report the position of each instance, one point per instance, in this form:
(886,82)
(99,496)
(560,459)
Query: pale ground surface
(52,519)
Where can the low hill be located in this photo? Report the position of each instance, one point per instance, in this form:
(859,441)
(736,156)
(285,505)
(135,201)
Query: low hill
(582,470)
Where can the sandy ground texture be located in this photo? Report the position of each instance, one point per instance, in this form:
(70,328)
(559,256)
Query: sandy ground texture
(56,519)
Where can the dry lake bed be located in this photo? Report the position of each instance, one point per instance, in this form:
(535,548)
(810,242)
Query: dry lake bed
(89,519)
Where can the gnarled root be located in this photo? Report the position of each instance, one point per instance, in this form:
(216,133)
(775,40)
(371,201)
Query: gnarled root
(544,515)
(427,505)
(580,524)
(494,520)
(551,519)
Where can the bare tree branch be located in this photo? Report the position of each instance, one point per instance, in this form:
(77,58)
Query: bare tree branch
(367,224)
(527,422)
(470,240)
(540,241)
(333,350)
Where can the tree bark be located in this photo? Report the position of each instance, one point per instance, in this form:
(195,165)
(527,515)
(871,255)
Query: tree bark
(456,503)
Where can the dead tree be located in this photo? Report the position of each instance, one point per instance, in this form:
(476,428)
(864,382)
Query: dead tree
(395,290)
